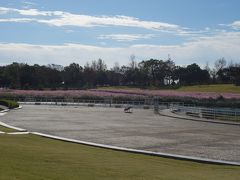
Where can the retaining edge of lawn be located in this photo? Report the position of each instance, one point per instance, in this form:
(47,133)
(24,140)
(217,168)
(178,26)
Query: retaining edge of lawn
(9,126)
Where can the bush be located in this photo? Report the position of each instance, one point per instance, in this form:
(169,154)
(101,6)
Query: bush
(118,106)
(237,82)
(146,107)
(8,103)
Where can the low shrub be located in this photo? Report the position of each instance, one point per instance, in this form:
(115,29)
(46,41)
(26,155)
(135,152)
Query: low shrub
(8,103)
(146,107)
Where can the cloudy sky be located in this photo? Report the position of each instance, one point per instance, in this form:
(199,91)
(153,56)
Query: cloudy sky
(65,31)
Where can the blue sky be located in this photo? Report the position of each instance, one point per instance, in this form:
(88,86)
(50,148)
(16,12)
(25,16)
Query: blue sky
(61,32)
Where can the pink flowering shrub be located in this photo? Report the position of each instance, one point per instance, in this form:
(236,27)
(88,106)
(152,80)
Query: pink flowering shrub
(202,99)
(62,93)
(171,93)
(136,93)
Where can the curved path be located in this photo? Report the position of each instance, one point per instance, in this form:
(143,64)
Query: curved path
(141,130)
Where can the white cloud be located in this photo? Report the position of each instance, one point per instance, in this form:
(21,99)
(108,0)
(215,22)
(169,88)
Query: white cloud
(4,10)
(126,37)
(19,20)
(204,49)
(236,25)
(68,19)
(32,12)
(28,4)
(61,18)
(26,12)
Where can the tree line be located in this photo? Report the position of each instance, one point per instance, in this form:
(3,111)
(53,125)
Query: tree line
(153,72)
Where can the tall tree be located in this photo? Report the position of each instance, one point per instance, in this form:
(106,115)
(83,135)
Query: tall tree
(73,76)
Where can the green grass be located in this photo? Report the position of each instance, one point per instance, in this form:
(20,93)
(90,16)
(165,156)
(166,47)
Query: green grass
(33,157)
(118,87)
(223,88)
(8,103)
(4,129)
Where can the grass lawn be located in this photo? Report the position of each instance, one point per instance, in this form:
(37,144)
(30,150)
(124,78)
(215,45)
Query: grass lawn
(33,157)
(118,87)
(223,88)
(4,129)
(220,88)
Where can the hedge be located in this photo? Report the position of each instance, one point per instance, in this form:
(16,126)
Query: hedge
(8,103)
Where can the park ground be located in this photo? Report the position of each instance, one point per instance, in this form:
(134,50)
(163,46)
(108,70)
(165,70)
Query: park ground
(32,157)
(142,129)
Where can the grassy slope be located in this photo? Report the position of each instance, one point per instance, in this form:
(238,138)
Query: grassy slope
(4,129)
(32,157)
(117,87)
(223,88)
(9,103)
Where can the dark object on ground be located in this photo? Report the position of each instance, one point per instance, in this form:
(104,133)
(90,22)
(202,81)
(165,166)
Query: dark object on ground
(128,109)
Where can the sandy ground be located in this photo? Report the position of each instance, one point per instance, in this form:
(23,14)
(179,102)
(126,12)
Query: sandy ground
(141,129)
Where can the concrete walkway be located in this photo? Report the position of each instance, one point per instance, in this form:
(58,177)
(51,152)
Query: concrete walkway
(3,107)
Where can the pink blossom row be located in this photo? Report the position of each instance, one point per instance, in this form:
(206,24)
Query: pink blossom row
(118,92)
(171,93)
(61,93)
